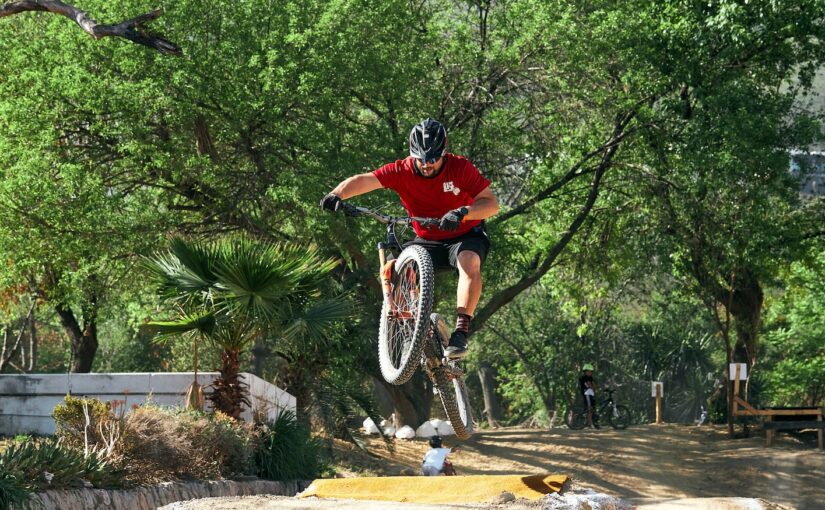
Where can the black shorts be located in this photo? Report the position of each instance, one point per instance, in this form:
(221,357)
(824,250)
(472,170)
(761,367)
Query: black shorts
(445,252)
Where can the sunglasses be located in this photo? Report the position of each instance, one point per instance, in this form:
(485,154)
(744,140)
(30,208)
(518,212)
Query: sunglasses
(429,161)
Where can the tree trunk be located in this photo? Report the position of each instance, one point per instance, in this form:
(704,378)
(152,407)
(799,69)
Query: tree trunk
(492,403)
(83,340)
(412,400)
(748,299)
(229,394)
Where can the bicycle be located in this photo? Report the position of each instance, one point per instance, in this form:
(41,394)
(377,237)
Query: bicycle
(617,415)
(410,335)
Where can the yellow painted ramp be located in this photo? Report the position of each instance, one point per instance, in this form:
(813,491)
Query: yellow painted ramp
(436,489)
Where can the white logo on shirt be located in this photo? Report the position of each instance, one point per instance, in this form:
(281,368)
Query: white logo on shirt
(450,187)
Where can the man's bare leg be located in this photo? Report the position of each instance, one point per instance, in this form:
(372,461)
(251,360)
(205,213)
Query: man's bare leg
(468,294)
(468,291)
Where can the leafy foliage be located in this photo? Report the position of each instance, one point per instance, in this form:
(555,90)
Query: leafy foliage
(795,338)
(287,451)
(44,464)
(79,421)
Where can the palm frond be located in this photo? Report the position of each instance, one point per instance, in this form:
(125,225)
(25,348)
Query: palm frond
(267,280)
(319,322)
(200,322)
(186,273)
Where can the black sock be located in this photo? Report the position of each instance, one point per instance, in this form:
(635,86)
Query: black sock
(462,322)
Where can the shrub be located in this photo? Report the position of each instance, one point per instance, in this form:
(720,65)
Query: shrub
(162,445)
(287,451)
(13,492)
(38,465)
(71,426)
(153,448)
(225,442)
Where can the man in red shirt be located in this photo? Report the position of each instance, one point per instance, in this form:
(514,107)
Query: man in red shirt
(436,184)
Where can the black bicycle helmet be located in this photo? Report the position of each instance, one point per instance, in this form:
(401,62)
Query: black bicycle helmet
(428,140)
(435,442)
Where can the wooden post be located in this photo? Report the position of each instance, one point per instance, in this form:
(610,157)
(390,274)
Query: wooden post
(820,431)
(769,433)
(735,390)
(658,403)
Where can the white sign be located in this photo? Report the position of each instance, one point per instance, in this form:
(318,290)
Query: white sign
(743,371)
(657,384)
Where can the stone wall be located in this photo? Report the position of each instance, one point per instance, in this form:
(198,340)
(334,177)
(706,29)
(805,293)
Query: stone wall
(152,497)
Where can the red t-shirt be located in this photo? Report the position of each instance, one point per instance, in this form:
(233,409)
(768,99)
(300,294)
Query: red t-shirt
(455,186)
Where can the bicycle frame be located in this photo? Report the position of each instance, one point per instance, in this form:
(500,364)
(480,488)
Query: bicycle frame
(392,245)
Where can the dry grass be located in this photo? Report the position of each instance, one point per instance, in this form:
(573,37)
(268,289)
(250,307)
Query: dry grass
(160,445)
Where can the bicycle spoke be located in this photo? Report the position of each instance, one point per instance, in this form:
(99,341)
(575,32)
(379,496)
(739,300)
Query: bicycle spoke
(405,299)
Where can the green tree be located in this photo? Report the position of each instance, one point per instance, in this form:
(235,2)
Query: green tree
(230,292)
(794,360)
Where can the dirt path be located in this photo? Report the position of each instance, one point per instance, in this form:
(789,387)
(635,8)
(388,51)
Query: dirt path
(644,464)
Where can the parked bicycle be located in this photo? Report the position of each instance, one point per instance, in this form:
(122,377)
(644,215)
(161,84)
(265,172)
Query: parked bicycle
(409,334)
(617,415)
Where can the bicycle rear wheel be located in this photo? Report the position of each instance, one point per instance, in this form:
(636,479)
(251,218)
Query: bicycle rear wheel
(404,326)
(619,418)
(576,420)
(456,403)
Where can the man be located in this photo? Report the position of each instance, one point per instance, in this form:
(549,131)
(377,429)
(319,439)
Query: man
(587,386)
(435,460)
(436,184)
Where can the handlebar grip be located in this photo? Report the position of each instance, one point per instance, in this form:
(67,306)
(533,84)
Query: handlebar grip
(349,209)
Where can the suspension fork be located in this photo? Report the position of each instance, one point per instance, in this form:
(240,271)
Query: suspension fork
(386,267)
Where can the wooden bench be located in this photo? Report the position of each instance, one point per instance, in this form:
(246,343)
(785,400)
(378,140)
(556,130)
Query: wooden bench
(780,418)
(812,419)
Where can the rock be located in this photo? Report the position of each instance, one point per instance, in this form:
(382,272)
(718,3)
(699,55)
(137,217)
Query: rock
(426,430)
(504,497)
(370,427)
(445,428)
(583,499)
(405,432)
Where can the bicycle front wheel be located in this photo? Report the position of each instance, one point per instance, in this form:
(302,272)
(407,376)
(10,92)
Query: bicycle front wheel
(456,403)
(619,417)
(576,420)
(405,322)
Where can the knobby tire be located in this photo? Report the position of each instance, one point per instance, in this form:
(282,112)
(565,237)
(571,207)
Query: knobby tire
(400,340)
(576,420)
(456,402)
(619,418)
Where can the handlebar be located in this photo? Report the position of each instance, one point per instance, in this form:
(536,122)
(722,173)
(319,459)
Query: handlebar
(354,210)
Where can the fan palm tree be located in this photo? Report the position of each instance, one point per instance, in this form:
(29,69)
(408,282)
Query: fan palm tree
(230,292)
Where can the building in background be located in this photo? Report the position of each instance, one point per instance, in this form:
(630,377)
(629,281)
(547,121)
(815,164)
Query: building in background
(810,167)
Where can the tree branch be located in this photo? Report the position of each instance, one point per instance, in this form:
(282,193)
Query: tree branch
(508,294)
(131,29)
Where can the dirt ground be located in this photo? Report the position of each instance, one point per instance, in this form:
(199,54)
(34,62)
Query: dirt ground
(644,464)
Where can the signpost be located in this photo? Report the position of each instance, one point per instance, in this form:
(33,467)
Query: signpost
(657,390)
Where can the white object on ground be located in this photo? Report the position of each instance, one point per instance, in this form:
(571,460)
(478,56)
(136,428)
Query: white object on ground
(426,430)
(389,431)
(405,432)
(445,428)
(583,499)
(370,427)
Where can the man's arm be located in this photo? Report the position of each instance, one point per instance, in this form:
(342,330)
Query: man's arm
(357,185)
(485,205)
